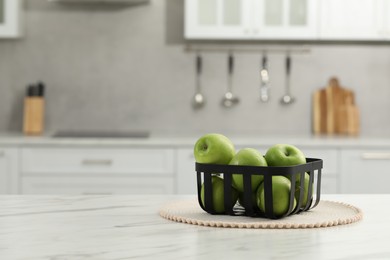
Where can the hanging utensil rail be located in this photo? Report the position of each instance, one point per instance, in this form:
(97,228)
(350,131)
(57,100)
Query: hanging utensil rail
(301,49)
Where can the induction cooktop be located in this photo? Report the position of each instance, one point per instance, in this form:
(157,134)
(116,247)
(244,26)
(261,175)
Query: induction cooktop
(101,134)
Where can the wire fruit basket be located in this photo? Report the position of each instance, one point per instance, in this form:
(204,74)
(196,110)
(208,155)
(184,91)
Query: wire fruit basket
(247,206)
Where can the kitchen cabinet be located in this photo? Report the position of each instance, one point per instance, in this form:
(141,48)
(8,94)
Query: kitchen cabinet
(330,181)
(186,174)
(9,174)
(96,170)
(166,165)
(329,20)
(251,19)
(217,19)
(365,170)
(385,29)
(284,19)
(10,11)
(92,184)
(349,20)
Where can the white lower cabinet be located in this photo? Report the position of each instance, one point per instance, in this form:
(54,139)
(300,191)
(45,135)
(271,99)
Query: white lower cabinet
(365,171)
(330,182)
(186,174)
(97,185)
(9,173)
(90,169)
(97,170)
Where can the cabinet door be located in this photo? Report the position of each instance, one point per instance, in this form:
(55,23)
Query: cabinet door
(365,171)
(186,174)
(97,170)
(9,177)
(351,20)
(217,19)
(9,18)
(330,177)
(77,160)
(285,19)
(385,32)
(93,185)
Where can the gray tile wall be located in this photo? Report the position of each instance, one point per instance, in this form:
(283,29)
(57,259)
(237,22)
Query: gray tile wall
(125,68)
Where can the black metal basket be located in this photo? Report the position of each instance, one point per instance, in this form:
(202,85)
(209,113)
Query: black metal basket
(313,167)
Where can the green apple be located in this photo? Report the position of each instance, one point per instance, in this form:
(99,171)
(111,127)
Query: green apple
(248,157)
(214,149)
(281,188)
(285,155)
(305,192)
(218,194)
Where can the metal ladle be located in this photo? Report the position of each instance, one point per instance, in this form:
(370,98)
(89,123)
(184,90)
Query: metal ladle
(229,98)
(287,98)
(198,99)
(264,80)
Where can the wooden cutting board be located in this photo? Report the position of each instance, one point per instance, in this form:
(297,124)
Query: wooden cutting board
(335,111)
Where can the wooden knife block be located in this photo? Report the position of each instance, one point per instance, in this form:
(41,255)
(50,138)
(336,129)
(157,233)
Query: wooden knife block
(33,122)
(335,111)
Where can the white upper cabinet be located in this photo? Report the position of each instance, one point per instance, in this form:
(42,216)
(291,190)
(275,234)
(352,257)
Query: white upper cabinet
(384,31)
(352,20)
(217,19)
(339,20)
(250,19)
(284,19)
(10,18)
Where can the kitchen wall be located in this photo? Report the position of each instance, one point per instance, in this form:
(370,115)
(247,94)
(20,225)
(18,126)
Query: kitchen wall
(110,67)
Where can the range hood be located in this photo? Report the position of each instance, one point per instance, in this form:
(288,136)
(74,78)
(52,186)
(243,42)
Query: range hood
(130,2)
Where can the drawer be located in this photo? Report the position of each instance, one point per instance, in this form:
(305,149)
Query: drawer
(94,185)
(99,160)
(365,171)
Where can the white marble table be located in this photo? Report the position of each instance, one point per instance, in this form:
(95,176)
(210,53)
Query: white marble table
(129,227)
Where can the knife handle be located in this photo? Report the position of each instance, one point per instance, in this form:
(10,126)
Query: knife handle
(230,63)
(199,64)
(288,64)
(264,62)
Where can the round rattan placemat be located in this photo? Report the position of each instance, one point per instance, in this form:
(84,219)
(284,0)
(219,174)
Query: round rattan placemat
(326,214)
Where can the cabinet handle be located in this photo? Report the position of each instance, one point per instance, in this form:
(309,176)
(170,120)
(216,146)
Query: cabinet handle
(376,156)
(97,193)
(106,162)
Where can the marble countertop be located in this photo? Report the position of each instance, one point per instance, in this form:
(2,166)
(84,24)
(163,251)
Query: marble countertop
(129,227)
(189,141)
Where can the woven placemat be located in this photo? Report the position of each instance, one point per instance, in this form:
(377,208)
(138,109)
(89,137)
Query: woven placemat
(326,214)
